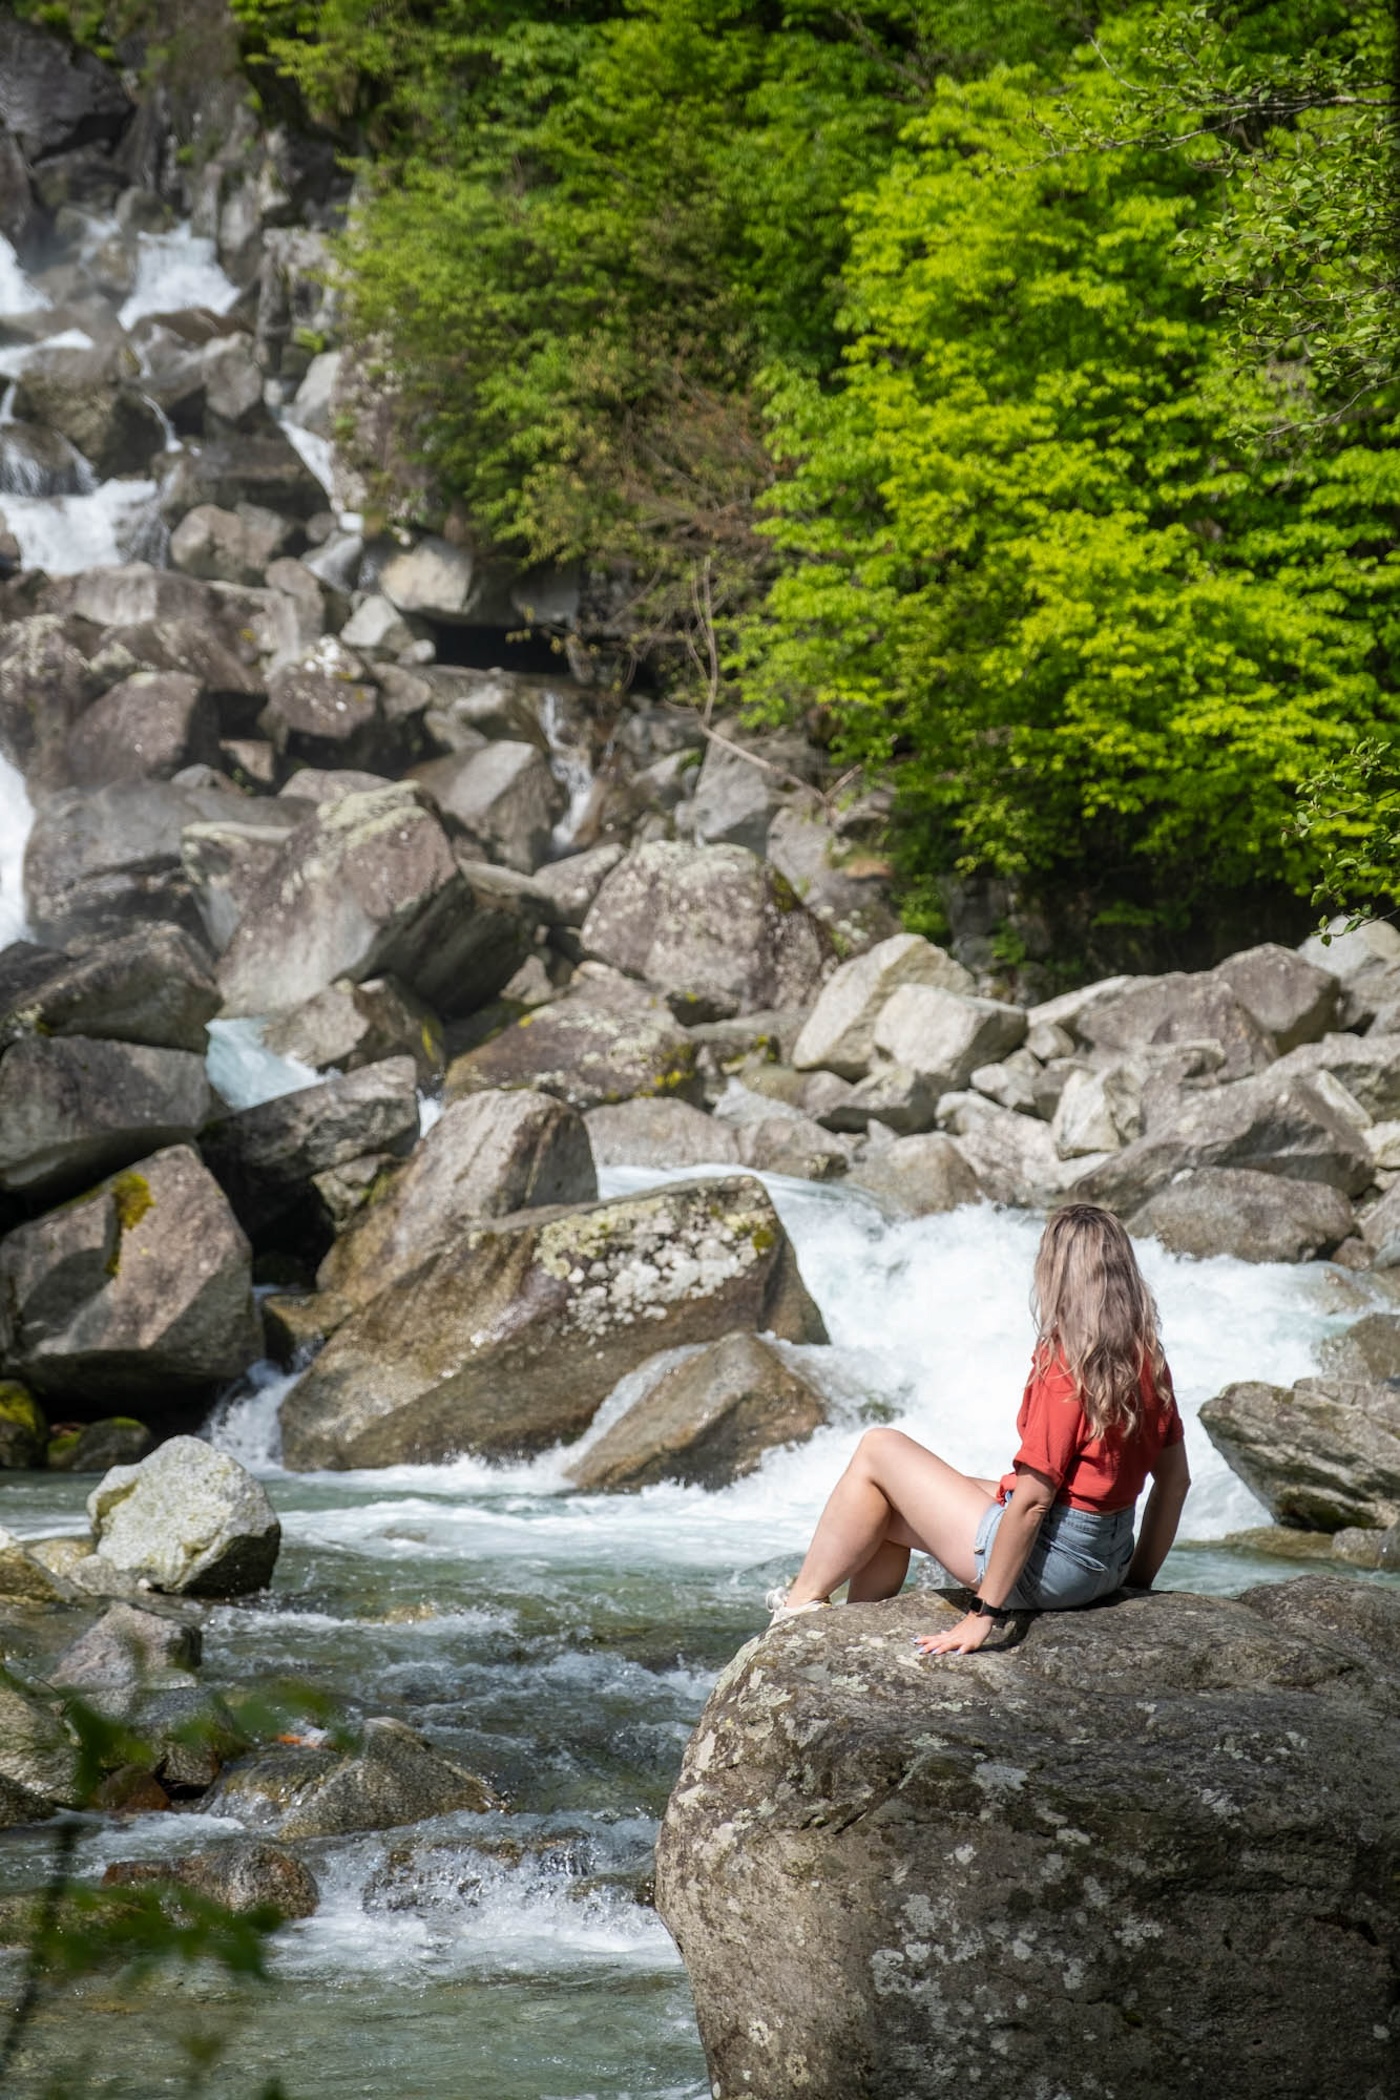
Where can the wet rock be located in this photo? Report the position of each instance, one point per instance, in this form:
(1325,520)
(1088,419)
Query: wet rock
(127,1650)
(140,1289)
(503,800)
(1275,1124)
(188,1519)
(206,389)
(233,546)
(187,1734)
(349,1025)
(54,96)
(25,1579)
(1291,999)
(240,1877)
(72,1107)
(1323,1456)
(572,884)
(38,1758)
(712,927)
(115,1440)
(264,1157)
(1367,1549)
(24,1434)
(261,1788)
(90,398)
(950,1818)
(396,1778)
(225,862)
(1255,1217)
(707,1421)
(146,728)
(97,860)
(659,1132)
(794,1145)
(839,1036)
(945,1036)
(606,1040)
(916,1177)
(38,462)
(510,1339)
(263,468)
(151,986)
(369,887)
(487,1156)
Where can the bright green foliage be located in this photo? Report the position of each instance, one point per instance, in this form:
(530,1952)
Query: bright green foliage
(1349,815)
(1024,554)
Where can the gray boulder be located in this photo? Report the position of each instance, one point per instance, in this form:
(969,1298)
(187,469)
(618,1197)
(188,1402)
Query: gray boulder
(1012,1156)
(94,861)
(659,1132)
(793,1144)
(72,1107)
(839,1035)
(706,1421)
(487,1156)
(895,1096)
(147,728)
(369,887)
(26,1579)
(436,579)
(38,1758)
(1255,1217)
(1180,1008)
(944,1036)
(735,799)
(1097,1111)
(141,1289)
(152,986)
(230,546)
(53,95)
(1278,1123)
(265,1157)
(396,1777)
(926,1849)
(263,468)
(46,681)
(321,710)
(712,927)
(916,1177)
(91,398)
(319,785)
(509,1339)
(1291,999)
(127,1650)
(1368,1351)
(503,800)
(1368,1066)
(240,1877)
(188,1519)
(349,1025)
(204,387)
(95,1447)
(572,884)
(606,1040)
(225,862)
(1323,1457)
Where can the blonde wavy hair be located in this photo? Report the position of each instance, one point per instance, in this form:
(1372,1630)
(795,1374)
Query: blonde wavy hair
(1093,1310)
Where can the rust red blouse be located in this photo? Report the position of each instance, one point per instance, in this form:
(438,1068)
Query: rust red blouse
(1090,1472)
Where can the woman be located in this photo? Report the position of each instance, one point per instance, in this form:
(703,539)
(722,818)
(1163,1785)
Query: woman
(1097,1417)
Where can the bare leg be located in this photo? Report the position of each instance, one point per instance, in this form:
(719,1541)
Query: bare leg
(882,1576)
(893,1493)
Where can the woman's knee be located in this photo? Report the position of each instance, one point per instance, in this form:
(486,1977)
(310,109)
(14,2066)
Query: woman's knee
(881,1449)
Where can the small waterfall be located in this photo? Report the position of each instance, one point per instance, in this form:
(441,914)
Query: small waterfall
(244,1073)
(17,294)
(16,821)
(572,766)
(175,271)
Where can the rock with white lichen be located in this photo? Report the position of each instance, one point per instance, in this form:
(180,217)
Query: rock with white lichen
(1148,1849)
(509,1338)
(187,1519)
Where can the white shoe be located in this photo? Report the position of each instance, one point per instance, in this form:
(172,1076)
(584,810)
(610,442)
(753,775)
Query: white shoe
(777,1603)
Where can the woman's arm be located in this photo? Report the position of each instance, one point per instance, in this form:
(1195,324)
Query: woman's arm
(1025,1513)
(1171,1478)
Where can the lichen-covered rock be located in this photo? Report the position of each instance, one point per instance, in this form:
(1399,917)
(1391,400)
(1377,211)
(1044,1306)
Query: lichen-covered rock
(509,1339)
(150,986)
(1324,1456)
(486,1156)
(349,1025)
(606,1040)
(265,1157)
(72,1107)
(839,1035)
(146,728)
(187,1519)
(706,1421)
(660,1132)
(1142,1840)
(916,1177)
(1255,1217)
(713,927)
(141,1289)
(24,1434)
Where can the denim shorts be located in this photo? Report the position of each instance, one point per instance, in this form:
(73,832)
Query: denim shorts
(1078,1555)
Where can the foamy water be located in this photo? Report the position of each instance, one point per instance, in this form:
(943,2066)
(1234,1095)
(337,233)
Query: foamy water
(16,822)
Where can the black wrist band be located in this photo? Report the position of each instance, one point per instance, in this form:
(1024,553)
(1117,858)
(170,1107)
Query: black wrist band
(980,1609)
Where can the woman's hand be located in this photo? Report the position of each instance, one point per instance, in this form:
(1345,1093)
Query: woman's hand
(963,1639)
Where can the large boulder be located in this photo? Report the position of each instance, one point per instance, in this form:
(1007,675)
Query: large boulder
(1140,1840)
(706,1421)
(503,800)
(72,1107)
(263,468)
(1012,1156)
(140,1290)
(1275,1124)
(606,1040)
(229,546)
(572,884)
(188,1519)
(1323,1457)
(151,986)
(839,1035)
(915,1177)
(240,1877)
(147,728)
(659,1132)
(54,96)
(714,928)
(1179,1008)
(487,1156)
(129,1649)
(1291,999)
(321,710)
(510,1338)
(369,887)
(265,1157)
(45,683)
(394,1777)
(944,1035)
(1255,1217)
(349,1025)
(1368,1066)
(224,863)
(95,860)
(91,398)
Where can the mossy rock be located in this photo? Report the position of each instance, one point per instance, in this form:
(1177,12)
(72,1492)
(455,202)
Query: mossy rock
(117,1440)
(23,1431)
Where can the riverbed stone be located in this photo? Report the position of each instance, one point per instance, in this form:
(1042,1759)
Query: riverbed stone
(893,1095)
(151,986)
(502,800)
(38,1758)
(25,1578)
(395,1778)
(659,1132)
(945,1035)
(349,1025)
(188,1519)
(73,1107)
(1254,1217)
(509,1339)
(926,1850)
(606,1040)
(1324,1455)
(795,1145)
(95,1447)
(264,1157)
(46,681)
(369,887)
(916,1177)
(140,1290)
(24,1433)
(126,1650)
(487,1156)
(705,1422)
(713,928)
(246,1875)
(839,1035)
(91,398)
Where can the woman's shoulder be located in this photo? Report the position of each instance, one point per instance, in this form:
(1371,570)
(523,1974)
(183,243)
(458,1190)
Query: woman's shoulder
(1051,1377)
